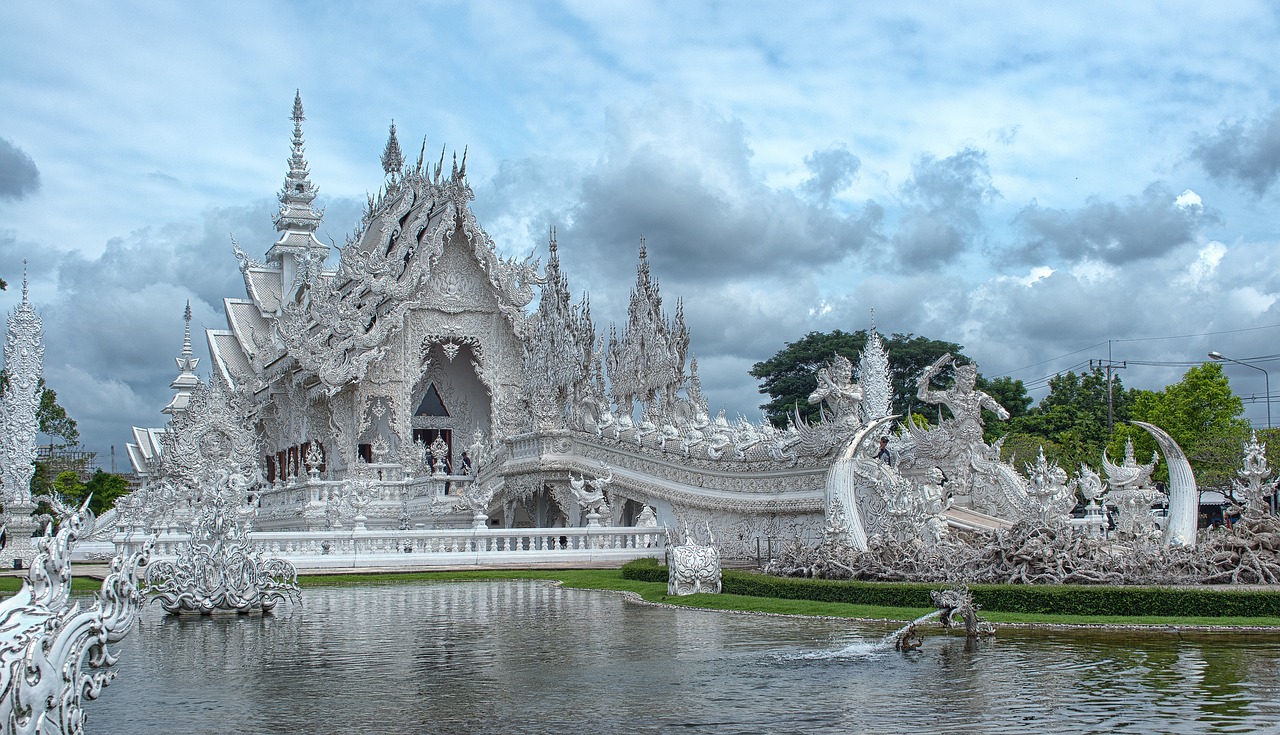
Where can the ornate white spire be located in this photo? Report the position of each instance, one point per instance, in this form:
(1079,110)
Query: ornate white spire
(297,194)
(875,377)
(24,364)
(187,379)
(392,158)
(647,363)
(559,352)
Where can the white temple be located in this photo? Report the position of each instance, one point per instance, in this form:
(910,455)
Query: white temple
(412,388)
(417,366)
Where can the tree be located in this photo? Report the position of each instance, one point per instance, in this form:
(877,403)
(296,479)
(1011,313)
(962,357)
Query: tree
(1202,415)
(791,374)
(51,418)
(1071,420)
(104,488)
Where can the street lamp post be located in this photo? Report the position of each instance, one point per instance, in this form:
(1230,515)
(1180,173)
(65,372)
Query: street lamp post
(1266,377)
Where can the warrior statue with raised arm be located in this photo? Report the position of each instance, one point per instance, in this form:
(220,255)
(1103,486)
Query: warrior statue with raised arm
(963,399)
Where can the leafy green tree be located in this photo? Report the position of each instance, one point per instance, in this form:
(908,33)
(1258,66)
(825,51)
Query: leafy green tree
(791,375)
(1008,392)
(104,488)
(1202,415)
(68,484)
(51,417)
(1071,420)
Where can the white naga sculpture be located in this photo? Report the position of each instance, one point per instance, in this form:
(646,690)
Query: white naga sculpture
(1254,473)
(693,567)
(23,362)
(53,648)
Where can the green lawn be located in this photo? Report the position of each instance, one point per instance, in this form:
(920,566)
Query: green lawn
(611,579)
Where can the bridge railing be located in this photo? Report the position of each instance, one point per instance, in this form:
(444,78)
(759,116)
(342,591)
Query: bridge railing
(440,547)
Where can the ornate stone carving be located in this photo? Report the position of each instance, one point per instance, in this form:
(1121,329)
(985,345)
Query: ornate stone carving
(594,500)
(23,362)
(837,392)
(1132,494)
(875,379)
(646,363)
(53,651)
(1253,473)
(208,473)
(693,567)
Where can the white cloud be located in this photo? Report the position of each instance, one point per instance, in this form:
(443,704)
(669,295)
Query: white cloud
(1188,198)
(158,132)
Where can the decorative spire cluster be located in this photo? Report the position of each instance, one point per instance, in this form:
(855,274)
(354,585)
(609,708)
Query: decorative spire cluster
(558,357)
(187,379)
(874,377)
(298,193)
(646,363)
(392,158)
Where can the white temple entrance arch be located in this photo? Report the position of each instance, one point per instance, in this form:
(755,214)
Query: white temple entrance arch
(449,400)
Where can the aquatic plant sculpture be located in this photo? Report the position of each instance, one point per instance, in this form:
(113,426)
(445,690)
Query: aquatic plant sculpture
(209,459)
(53,648)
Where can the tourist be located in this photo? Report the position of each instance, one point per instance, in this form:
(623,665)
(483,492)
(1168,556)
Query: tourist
(884,455)
(466,464)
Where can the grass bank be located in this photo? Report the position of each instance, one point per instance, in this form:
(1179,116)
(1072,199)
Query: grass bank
(652,591)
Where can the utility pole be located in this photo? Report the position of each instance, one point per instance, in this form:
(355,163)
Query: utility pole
(1109,365)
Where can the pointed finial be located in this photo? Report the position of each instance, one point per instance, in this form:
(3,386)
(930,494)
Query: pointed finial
(298,117)
(462,172)
(552,241)
(186,334)
(644,252)
(873,319)
(24,280)
(422,153)
(392,158)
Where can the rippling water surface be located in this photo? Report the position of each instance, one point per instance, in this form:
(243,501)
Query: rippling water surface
(526,657)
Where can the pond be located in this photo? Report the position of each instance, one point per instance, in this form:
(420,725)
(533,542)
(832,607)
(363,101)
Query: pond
(528,657)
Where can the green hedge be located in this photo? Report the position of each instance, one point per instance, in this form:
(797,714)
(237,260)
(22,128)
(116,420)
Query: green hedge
(1204,602)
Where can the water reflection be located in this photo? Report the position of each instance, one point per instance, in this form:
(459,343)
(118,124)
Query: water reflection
(531,658)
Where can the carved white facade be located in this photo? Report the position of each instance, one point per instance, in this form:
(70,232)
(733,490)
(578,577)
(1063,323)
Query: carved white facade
(410,377)
(54,653)
(417,345)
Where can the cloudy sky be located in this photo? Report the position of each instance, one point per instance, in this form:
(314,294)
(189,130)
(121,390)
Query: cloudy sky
(1032,183)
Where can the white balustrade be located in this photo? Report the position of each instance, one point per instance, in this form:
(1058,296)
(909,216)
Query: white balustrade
(375,548)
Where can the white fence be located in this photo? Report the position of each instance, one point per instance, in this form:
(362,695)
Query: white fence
(513,547)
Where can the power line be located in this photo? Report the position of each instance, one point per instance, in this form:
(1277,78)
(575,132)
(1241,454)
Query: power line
(1052,359)
(1202,334)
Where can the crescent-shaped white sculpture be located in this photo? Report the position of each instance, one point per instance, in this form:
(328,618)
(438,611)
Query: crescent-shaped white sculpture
(840,481)
(1180,529)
